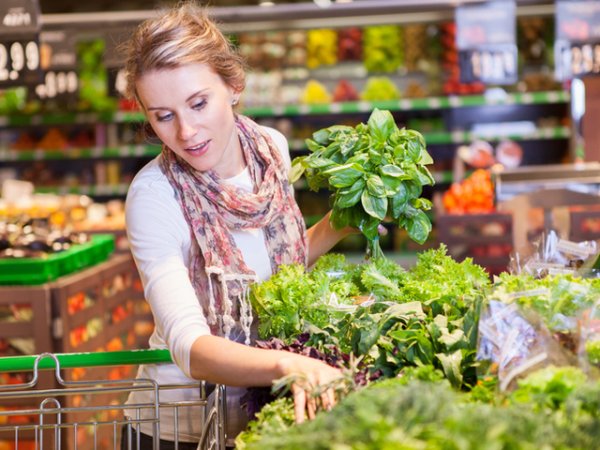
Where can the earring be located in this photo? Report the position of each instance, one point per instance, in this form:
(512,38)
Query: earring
(234,101)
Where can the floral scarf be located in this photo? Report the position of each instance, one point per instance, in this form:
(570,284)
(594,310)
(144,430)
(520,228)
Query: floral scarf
(213,209)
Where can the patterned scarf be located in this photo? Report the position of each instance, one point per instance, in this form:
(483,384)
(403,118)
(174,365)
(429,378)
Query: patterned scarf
(213,209)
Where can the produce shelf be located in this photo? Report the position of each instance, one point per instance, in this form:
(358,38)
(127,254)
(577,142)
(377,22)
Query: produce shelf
(406,104)
(91,190)
(122,151)
(31,271)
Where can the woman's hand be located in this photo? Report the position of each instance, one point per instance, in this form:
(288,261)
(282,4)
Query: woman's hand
(311,375)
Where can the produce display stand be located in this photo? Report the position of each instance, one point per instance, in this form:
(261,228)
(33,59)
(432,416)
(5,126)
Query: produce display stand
(96,309)
(86,415)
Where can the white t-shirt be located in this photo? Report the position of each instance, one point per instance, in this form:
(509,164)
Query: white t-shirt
(160,241)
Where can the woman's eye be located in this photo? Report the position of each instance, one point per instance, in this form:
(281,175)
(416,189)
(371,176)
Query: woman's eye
(163,117)
(199,105)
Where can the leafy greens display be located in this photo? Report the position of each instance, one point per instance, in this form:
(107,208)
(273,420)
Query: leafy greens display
(376,171)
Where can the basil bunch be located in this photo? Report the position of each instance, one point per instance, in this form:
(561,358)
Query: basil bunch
(375,171)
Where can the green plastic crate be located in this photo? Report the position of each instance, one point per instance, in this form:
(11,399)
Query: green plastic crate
(30,271)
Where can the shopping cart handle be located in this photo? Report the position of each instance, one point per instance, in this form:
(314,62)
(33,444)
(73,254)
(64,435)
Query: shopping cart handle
(71,360)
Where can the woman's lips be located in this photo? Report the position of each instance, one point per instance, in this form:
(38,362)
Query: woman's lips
(198,150)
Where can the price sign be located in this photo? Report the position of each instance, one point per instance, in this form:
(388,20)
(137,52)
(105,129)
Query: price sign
(19,62)
(485,39)
(496,64)
(578,59)
(19,44)
(58,84)
(577,45)
(60,80)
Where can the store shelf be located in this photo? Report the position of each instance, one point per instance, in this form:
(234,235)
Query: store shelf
(149,151)
(123,151)
(412,104)
(91,190)
(407,104)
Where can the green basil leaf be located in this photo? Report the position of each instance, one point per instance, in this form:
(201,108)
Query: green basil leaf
(392,170)
(414,189)
(369,227)
(345,178)
(374,206)
(342,168)
(399,201)
(348,199)
(297,170)
(348,144)
(425,157)
(424,176)
(414,135)
(391,184)
(422,204)
(332,151)
(375,156)
(312,145)
(381,124)
(375,186)
(318,163)
(339,218)
(419,227)
(321,136)
(400,152)
(413,151)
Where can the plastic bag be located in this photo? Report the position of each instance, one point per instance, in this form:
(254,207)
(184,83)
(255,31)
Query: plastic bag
(515,343)
(589,339)
(552,255)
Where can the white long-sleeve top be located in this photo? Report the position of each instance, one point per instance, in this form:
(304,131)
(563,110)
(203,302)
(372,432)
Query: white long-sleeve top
(160,241)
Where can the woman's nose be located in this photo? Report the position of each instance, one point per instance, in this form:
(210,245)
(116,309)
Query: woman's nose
(186,129)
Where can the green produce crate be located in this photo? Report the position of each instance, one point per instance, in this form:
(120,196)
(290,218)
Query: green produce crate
(30,271)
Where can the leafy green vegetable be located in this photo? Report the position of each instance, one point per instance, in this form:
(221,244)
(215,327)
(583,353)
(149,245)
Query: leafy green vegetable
(548,387)
(375,171)
(275,417)
(592,349)
(393,414)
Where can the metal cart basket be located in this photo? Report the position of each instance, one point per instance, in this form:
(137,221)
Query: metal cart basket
(51,413)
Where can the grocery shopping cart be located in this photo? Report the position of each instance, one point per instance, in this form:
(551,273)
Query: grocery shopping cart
(52,413)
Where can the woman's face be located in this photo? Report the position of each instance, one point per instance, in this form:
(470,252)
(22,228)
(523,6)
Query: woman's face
(190,109)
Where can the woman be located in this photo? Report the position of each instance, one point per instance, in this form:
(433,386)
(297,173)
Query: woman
(212,214)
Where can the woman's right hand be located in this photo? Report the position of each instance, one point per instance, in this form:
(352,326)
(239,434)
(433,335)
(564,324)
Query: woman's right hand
(311,374)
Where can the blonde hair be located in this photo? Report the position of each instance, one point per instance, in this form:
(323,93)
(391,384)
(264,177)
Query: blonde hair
(183,35)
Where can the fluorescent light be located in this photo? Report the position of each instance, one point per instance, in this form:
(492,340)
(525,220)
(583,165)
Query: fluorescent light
(266,3)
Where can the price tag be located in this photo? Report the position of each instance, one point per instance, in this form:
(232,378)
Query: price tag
(19,62)
(19,17)
(19,44)
(486,42)
(494,64)
(60,81)
(577,45)
(579,59)
(58,84)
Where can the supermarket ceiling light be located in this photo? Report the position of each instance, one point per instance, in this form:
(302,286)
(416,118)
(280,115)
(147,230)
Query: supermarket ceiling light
(266,3)
(323,3)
